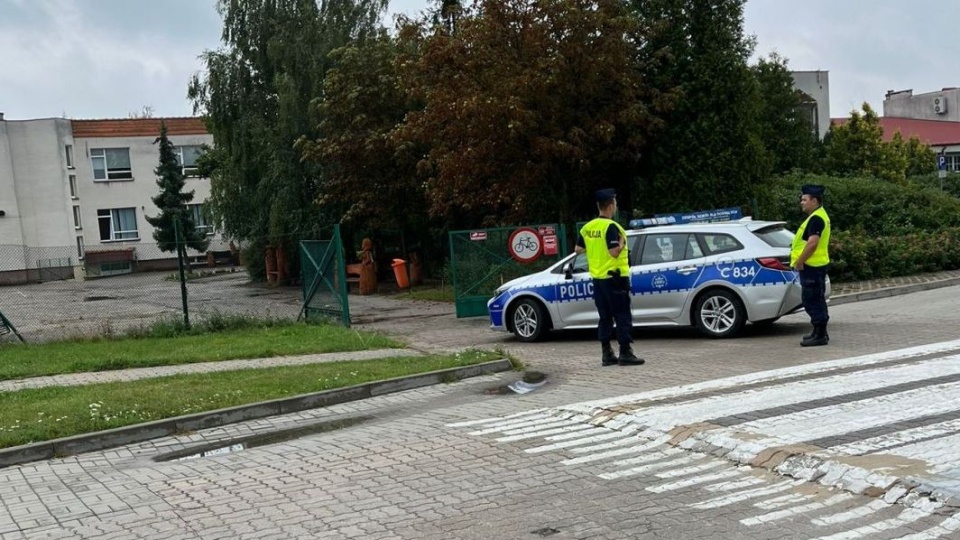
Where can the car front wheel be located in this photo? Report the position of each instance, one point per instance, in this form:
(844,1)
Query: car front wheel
(529,320)
(719,314)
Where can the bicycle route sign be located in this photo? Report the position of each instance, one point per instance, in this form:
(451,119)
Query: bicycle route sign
(525,245)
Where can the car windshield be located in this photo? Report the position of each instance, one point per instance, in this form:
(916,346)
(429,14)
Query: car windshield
(775,235)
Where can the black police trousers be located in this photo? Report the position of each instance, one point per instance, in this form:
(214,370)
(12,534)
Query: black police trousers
(613,305)
(813,280)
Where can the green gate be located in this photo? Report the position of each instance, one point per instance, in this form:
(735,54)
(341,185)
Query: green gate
(483,259)
(324,279)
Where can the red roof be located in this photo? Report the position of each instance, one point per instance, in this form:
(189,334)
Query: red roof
(137,127)
(930,132)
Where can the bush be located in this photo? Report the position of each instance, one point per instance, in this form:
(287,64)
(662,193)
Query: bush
(857,256)
(876,207)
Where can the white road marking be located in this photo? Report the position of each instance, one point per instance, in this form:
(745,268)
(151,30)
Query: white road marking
(730,486)
(765,376)
(796,510)
(907,516)
(875,444)
(576,442)
(949,525)
(693,470)
(614,453)
(668,416)
(544,426)
(740,496)
(545,433)
(696,480)
(780,502)
(860,511)
(669,451)
(469,423)
(651,467)
(534,420)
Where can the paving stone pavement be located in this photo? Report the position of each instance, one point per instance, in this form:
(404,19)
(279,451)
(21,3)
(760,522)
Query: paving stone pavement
(411,469)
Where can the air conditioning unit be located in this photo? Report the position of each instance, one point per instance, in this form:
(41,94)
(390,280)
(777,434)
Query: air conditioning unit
(940,105)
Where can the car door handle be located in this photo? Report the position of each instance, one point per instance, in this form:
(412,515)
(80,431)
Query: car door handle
(687,271)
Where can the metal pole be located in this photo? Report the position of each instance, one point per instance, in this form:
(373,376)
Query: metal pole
(183,280)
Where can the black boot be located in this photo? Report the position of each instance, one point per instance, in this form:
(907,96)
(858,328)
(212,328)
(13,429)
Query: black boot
(818,338)
(609,359)
(627,358)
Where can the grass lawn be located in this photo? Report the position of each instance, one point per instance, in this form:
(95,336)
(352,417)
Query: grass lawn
(20,361)
(35,415)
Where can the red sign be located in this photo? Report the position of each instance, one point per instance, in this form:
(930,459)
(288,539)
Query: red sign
(525,245)
(478,235)
(545,230)
(550,245)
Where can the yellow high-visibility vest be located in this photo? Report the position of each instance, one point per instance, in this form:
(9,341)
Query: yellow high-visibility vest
(599,261)
(821,256)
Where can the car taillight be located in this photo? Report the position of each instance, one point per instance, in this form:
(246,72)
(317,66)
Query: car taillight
(773,263)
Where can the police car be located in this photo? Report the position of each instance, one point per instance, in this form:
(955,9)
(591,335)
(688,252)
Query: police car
(714,276)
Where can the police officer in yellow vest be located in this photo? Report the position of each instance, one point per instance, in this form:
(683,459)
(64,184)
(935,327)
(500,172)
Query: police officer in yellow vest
(604,242)
(809,255)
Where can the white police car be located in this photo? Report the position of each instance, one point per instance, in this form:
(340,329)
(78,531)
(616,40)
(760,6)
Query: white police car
(715,276)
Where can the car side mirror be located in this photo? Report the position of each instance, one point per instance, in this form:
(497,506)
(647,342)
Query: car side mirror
(568,270)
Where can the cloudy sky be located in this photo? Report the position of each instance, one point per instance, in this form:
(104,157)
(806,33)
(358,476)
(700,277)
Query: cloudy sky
(109,58)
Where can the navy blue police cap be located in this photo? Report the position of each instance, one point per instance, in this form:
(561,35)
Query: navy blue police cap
(813,190)
(606,194)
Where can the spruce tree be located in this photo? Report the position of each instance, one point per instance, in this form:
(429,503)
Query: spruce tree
(172,202)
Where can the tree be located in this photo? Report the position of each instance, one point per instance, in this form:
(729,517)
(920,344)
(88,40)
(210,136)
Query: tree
(856,148)
(172,202)
(788,134)
(711,153)
(526,108)
(368,181)
(921,159)
(256,93)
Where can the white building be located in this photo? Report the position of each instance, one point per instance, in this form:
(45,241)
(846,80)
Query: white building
(74,195)
(815,86)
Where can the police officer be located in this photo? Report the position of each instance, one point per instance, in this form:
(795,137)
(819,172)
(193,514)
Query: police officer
(809,256)
(604,242)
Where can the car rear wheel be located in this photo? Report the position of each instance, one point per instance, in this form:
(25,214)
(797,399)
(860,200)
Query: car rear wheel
(719,314)
(529,320)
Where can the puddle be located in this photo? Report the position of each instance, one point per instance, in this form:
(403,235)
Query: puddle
(232,446)
(531,381)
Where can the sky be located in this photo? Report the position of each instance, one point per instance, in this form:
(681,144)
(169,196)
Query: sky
(111,58)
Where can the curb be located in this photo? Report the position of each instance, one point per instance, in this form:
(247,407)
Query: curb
(887,292)
(112,438)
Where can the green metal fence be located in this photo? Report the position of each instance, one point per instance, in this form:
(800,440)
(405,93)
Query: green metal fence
(483,259)
(324,279)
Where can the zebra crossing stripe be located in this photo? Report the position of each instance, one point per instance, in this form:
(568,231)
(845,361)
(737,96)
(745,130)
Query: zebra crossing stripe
(667,452)
(651,467)
(614,453)
(576,442)
(796,510)
(859,512)
(764,376)
(687,471)
(906,517)
(780,502)
(949,525)
(481,421)
(696,480)
(731,486)
(539,434)
(900,438)
(518,423)
(740,496)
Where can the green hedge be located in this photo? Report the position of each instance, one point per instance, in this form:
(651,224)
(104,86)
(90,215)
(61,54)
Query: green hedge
(857,256)
(880,229)
(878,208)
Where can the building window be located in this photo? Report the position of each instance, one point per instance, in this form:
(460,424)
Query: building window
(118,224)
(76,218)
(111,164)
(73,186)
(80,247)
(953,162)
(69,151)
(201,221)
(187,158)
